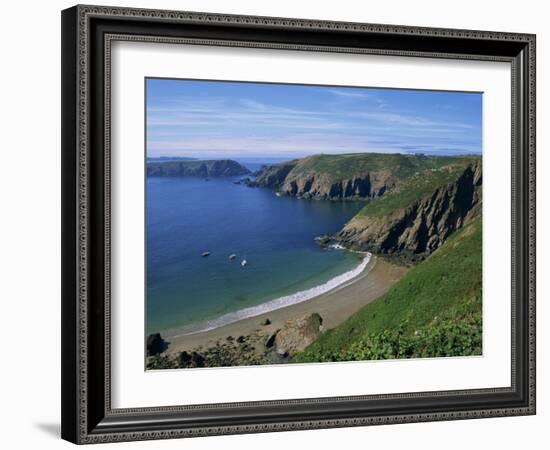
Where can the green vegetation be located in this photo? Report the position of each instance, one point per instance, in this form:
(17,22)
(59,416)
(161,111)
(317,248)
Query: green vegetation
(417,186)
(434,310)
(347,166)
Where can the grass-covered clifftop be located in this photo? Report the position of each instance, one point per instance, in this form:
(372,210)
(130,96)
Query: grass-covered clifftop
(415,218)
(434,310)
(196,168)
(419,185)
(413,202)
(357,175)
(339,167)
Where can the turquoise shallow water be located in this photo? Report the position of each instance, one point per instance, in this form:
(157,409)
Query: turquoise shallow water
(188,216)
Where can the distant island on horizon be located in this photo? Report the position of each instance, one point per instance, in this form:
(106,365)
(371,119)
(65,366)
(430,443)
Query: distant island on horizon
(196,168)
(277,157)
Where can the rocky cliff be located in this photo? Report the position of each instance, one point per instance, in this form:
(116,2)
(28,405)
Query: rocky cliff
(414,202)
(321,186)
(197,168)
(413,226)
(337,177)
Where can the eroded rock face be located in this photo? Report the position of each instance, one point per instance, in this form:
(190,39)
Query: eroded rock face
(416,231)
(297,334)
(273,176)
(282,178)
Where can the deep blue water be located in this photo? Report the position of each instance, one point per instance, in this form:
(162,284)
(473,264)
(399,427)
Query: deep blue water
(189,216)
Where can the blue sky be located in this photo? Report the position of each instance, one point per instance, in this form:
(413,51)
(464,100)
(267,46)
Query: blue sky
(211,119)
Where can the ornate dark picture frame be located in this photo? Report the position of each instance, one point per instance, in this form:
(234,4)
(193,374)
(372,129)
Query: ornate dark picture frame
(87,33)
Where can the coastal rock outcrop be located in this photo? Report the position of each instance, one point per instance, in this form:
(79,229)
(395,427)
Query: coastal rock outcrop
(197,168)
(291,178)
(424,198)
(270,339)
(297,334)
(155,344)
(415,231)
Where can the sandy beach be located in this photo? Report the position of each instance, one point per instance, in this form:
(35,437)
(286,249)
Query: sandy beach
(334,307)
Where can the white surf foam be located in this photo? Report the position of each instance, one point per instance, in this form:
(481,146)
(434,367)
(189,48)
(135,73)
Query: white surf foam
(281,302)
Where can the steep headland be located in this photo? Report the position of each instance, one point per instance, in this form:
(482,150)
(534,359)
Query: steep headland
(196,168)
(414,202)
(417,217)
(350,176)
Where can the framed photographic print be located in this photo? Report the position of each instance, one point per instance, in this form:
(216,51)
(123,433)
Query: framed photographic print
(281,224)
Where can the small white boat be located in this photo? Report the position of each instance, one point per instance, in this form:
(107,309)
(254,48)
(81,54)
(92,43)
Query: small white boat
(278,194)
(232,256)
(204,254)
(244,262)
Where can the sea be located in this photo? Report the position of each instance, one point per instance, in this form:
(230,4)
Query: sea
(188,293)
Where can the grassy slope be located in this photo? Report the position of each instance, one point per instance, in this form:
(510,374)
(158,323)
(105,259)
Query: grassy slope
(417,186)
(434,310)
(346,166)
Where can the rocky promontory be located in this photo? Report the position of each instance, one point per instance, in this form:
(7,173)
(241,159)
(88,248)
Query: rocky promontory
(196,168)
(413,202)
(412,227)
(310,178)
(349,176)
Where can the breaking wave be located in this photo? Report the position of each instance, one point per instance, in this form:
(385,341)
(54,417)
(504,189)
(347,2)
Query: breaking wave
(278,303)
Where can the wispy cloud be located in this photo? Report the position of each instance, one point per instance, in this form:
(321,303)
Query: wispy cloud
(244,112)
(348,93)
(255,119)
(411,120)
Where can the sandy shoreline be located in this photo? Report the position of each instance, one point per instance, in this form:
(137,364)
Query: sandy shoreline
(334,307)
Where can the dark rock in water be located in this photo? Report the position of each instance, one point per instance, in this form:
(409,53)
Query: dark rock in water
(241,339)
(266,322)
(244,180)
(323,241)
(297,334)
(155,344)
